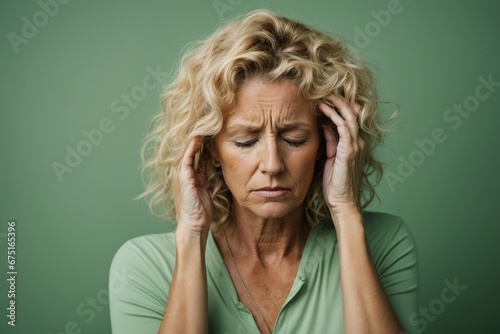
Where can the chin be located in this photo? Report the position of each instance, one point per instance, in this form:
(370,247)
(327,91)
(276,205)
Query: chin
(272,210)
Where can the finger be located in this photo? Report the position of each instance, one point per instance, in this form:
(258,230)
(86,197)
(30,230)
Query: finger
(357,110)
(186,170)
(193,147)
(331,143)
(343,108)
(349,114)
(342,127)
(331,113)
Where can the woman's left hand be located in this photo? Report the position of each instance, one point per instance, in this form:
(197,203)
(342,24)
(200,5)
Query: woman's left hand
(343,167)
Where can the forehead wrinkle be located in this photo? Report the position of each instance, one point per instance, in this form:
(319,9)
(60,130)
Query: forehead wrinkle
(274,106)
(282,117)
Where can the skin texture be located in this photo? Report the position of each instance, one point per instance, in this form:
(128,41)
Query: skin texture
(271,139)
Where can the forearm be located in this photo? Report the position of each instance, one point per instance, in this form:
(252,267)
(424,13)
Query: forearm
(366,306)
(187,305)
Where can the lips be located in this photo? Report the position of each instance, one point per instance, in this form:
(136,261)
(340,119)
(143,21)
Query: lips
(272,191)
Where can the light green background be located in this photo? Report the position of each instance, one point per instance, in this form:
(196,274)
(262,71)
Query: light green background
(65,79)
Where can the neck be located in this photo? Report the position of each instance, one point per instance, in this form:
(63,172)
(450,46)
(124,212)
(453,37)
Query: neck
(268,240)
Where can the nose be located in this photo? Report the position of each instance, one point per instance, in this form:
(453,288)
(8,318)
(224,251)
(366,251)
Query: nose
(271,160)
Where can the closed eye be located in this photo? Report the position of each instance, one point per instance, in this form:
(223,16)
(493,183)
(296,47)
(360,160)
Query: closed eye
(295,143)
(245,144)
(250,143)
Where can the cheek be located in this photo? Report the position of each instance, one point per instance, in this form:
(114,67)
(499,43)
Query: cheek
(303,164)
(237,170)
(306,162)
(303,168)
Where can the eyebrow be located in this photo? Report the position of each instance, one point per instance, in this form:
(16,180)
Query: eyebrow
(252,127)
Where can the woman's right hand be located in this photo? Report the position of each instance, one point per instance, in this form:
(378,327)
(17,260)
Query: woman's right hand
(193,205)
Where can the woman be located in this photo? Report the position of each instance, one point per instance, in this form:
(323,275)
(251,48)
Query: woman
(263,150)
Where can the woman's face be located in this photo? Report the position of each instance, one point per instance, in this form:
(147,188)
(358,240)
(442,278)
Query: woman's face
(268,148)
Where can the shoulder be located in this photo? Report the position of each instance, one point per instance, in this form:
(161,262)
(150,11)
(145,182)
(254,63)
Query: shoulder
(384,226)
(146,248)
(394,254)
(379,226)
(145,260)
(140,275)
(146,244)
(390,240)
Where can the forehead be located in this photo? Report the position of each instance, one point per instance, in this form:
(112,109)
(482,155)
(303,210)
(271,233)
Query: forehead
(279,103)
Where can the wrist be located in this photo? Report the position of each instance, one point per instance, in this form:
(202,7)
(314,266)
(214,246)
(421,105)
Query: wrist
(346,215)
(350,209)
(190,236)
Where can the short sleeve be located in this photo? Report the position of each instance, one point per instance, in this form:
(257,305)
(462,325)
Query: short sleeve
(394,254)
(138,286)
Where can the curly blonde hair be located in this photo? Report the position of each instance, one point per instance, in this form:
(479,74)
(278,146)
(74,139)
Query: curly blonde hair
(271,48)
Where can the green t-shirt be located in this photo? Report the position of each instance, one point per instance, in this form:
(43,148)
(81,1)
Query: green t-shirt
(145,267)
